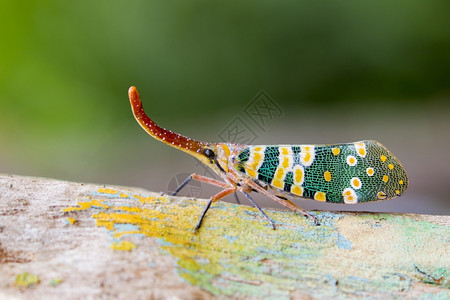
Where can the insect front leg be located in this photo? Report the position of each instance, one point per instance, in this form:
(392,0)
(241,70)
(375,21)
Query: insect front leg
(201,179)
(209,180)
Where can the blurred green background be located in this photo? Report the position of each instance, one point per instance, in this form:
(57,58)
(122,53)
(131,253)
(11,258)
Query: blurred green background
(341,72)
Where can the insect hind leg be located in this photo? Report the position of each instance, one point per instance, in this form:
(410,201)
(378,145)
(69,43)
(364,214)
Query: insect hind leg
(282,200)
(237,198)
(259,208)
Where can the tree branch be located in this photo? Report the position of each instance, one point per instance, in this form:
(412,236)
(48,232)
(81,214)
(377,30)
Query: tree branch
(62,239)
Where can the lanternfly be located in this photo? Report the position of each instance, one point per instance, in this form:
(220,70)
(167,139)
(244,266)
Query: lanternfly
(342,173)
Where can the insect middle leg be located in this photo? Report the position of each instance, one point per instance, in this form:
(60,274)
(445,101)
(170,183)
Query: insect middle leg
(228,188)
(214,198)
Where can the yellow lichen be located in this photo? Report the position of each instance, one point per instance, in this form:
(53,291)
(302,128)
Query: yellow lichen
(26,279)
(107,191)
(122,246)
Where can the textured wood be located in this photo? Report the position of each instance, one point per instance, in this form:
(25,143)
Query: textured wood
(62,239)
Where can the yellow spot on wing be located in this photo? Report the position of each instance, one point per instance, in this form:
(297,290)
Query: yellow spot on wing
(383,158)
(286,159)
(362,152)
(349,196)
(297,190)
(336,151)
(391,166)
(327,175)
(351,160)
(277,183)
(299,175)
(355,183)
(370,171)
(385,178)
(250,172)
(255,161)
(279,173)
(381,195)
(307,155)
(285,162)
(320,196)
(360,149)
(401,182)
(254,164)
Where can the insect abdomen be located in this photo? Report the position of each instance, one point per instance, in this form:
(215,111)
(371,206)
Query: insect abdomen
(343,173)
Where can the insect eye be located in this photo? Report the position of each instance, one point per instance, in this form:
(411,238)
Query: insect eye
(209,153)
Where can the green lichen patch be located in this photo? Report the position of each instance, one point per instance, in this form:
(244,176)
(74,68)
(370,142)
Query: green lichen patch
(237,253)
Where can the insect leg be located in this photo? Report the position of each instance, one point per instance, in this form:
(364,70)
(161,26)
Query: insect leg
(227,189)
(201,179)
(182,185)
(237,198)
(214,198)
(283,202)
(259,208)
(199,223)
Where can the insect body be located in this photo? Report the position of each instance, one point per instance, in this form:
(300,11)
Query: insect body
(342,173)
